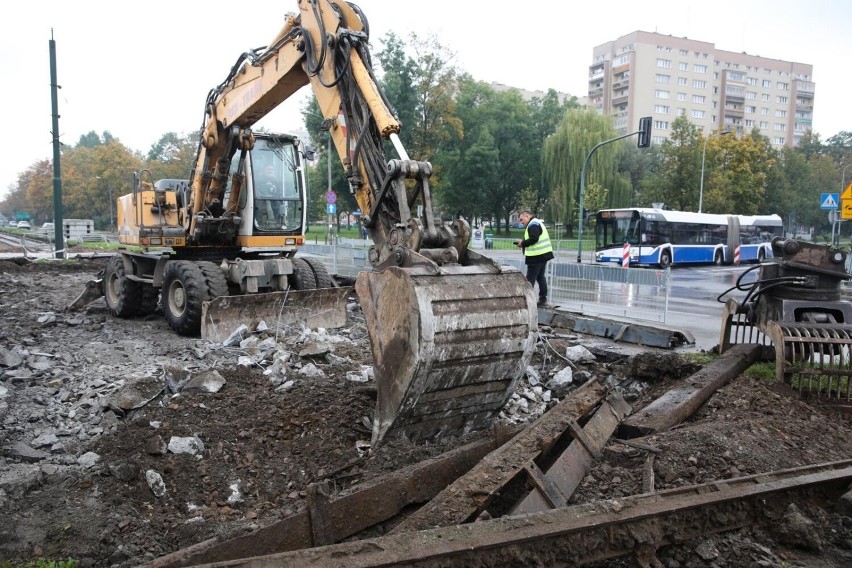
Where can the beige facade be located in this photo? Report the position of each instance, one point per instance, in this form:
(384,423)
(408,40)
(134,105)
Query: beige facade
(649,74)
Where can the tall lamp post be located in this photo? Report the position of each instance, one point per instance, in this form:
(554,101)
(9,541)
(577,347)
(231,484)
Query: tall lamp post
(703,158)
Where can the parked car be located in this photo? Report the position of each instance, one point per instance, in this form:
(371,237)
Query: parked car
(517,225)
(47,228)
(24,225)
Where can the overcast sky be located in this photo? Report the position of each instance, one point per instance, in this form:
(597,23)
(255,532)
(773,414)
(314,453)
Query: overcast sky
(141,70)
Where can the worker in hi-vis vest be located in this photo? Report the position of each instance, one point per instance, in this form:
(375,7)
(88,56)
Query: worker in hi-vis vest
(537,251)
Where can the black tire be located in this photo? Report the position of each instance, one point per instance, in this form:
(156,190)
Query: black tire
(718,258)
(303,277)
(665,258)
(123,297)
(184,291)
(217,284)
(321,275)
(149,298)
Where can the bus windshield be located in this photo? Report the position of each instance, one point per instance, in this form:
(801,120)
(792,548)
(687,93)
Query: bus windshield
(614,228)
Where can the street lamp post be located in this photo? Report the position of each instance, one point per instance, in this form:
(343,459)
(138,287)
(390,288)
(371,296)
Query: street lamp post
(703,157)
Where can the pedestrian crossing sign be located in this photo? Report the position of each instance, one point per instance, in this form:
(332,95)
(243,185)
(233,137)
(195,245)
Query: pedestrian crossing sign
(829,200)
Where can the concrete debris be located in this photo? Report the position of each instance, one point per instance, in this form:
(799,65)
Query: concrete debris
(10,358)
(20,479)
(579,354)
(533,376)
(236,495)
(88,460)
(126,471)
(207,382)
(311,371)
(133,395)
(362,376)
(560,383)
(45,440)
(236,336)
(156,483)
(23,452)
(315,350)
(186,445)
(798,531)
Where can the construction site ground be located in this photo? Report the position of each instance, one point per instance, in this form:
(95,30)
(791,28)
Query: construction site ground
(75,470)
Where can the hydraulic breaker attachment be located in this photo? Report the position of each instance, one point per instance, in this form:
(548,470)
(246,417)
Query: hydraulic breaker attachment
(449,344)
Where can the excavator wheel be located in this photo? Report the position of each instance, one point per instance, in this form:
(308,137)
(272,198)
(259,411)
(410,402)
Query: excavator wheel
(149,297)
(303,276)
(184,292)
(217,284)
(321,275)
(123,296)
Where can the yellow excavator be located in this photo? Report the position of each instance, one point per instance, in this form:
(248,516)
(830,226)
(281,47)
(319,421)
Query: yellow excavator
(451,330)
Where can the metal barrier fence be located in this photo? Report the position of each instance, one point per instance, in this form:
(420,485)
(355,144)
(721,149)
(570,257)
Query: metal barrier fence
(635,293)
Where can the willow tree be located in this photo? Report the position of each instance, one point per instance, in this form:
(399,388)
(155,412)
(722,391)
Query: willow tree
(563,155)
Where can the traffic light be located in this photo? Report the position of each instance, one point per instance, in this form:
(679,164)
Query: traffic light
(644,132)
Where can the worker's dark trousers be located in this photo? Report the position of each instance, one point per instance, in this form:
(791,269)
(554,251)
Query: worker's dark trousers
(536,274)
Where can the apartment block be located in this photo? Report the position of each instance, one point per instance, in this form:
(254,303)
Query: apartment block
(649,74)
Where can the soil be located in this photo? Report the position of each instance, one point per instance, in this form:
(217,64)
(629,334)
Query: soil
(265,441)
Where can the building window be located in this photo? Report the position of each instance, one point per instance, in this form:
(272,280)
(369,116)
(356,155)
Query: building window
(683,52)
(681,112)
(697,113)
(778,140)
(699,68)
(780,113)
(661,94)
(749,123)
(661,125)
(658,139)
(682,81)
(780,127)
(621,60)
(782,100)
(767,83)
(681,97)
(663,78)
(751,95)
(699,99)
(661,109)
(764,125)
(751,109)
(764,97)
(664,63)
(696,84)
(764,111)
(683,66)
(752,82)
(782,86)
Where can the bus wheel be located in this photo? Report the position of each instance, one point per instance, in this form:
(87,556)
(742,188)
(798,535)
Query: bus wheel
(665,259)
(718,258)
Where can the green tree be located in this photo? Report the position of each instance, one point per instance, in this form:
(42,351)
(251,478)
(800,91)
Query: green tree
(676,182)
(564,154)
(736,180)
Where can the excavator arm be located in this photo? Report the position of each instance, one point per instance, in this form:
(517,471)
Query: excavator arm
(451,331)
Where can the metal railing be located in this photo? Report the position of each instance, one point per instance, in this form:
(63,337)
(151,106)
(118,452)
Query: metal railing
(595,289)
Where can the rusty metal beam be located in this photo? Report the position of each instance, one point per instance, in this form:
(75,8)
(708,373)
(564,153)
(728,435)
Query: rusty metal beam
(572,465)
(330,520)
(683,401)
(471,494)
(584,534)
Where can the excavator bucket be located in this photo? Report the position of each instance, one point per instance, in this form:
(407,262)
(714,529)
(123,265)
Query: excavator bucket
(449,345)
(282,312)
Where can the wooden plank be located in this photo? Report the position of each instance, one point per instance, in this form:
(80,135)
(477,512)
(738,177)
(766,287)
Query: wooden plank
(683,401)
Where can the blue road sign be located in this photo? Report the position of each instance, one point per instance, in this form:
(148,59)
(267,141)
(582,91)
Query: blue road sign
(330,208)
(829,200)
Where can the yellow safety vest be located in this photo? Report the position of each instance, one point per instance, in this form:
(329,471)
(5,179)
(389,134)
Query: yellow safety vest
(543,245)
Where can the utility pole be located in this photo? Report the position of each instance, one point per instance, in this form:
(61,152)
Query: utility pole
(58,231)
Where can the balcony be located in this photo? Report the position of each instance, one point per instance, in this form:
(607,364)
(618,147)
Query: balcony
(595,92)
(620,100)
(620,69)
(733,112)
(805,88)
